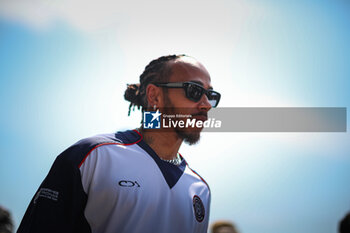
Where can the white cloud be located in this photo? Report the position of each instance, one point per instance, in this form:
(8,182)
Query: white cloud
(83,15)
(34,13)
(191,16)
(144,30)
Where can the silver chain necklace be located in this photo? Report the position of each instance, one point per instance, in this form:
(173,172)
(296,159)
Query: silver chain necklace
(175,161)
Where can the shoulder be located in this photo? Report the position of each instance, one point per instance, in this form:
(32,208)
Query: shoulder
(196,176)
(76,153)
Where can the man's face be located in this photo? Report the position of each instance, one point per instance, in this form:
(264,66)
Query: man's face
(176,102)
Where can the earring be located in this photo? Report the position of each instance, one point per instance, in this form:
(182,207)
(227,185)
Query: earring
(154,107)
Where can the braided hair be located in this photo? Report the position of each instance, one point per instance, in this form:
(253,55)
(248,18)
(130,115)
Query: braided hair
(157,70)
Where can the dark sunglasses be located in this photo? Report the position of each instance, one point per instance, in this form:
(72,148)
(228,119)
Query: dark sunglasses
(194,91)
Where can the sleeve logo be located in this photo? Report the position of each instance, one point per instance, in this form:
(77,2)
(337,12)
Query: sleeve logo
(46,193)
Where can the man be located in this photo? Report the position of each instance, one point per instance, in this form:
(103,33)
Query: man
(133,181)
(223,227)
(6,223)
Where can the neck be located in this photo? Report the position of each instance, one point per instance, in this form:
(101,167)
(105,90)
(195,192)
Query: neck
(165,144)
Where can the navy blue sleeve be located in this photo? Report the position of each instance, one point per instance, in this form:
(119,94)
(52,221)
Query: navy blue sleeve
(58,205)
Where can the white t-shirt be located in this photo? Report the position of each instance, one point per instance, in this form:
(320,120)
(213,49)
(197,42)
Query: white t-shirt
(115,183)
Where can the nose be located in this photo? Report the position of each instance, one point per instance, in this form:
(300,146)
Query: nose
(204,104)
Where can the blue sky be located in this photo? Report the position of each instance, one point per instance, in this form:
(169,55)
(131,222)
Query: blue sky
(64,68)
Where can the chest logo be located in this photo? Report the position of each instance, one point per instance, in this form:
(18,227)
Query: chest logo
(198,207)
(128,183)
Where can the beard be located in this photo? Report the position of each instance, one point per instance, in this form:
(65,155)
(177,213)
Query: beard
(189,136)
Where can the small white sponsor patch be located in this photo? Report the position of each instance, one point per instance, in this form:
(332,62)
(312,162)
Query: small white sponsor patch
(46,193)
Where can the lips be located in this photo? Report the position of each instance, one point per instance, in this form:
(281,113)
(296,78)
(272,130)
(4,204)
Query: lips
(200,117)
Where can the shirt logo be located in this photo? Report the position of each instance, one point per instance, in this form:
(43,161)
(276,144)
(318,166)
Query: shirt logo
(198,207)
(128,183)
(151,120)
(46,193)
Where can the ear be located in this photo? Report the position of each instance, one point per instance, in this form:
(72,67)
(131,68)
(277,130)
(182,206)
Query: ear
(154,96)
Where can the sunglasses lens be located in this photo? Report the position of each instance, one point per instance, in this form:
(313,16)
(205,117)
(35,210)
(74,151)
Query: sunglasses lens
(214,98)
(194,92)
